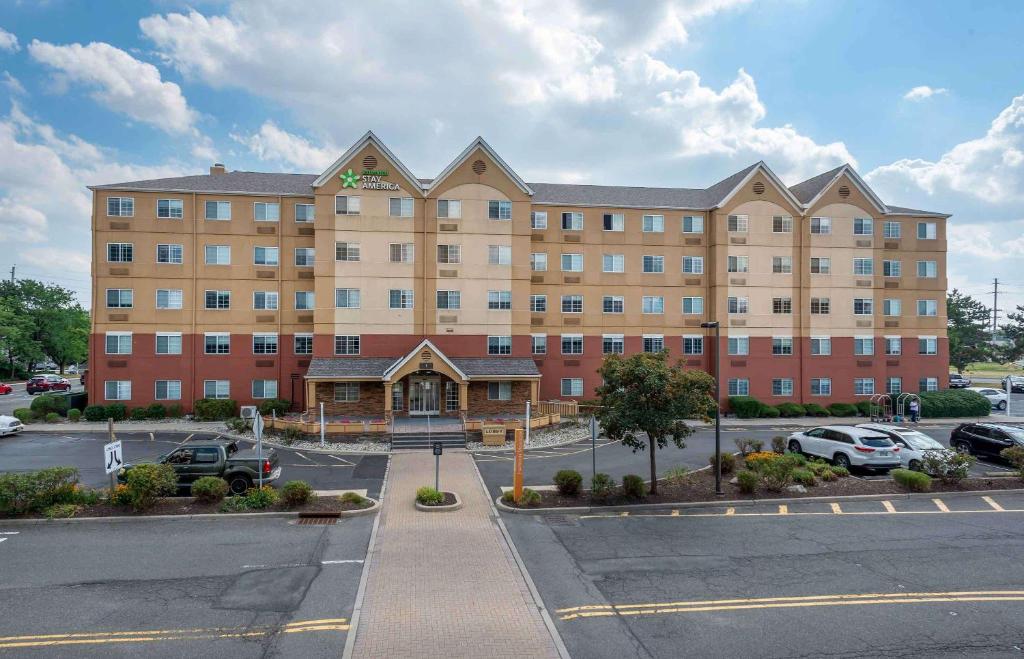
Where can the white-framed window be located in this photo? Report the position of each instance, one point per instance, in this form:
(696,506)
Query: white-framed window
(449,254)
(539,261)
(693,265)
(612,222)
(499,391)
(737,305)
(738,263)
(218,210)
(821,225)
(168,343)
(613,304)
(782,224)
(863,386)
(401,252)
(264,344)
(863,267)
(927,269)
(120,206)
(265,255)
(738,223)
(167,390)
(305,301)
(120,252)
(400,206)
(347,251)
(782,345)
(499,255)
(572,221)
(927,230)
(572,304)
(821,386)
(217,300)
(891,307)
(217,343)
(346,392)
(120,298)
(449,209)
(821,346)
(891,229)
(170,209)
(782,386)
(653,304)
(738,387)
(613,263)
(499,210)
(572,344)
(782,305)
(863,306)
(347,205)
(654,342)
(305,256)
(693,344)
(538,220)
(654,224)
(928,384)
(449,300)
(653,264)
(892,268)
(572,386)
(400,298)
(538,303)
(266,211)
(893,345)
(863,226)
(347,298)
(216,388)
(927,308)
(927,345)
(169,254)
(346,344)
(738,345)
(265,300)
(693,224)
(539,344)
(821,265)
(499,300)
(821,306)
(264,389)
(117,390)
(218,254)
(499,345)
(118,343)
(782,265)
(305,213)
(572,263)
(613,344)
(863,345)
(693,306)
(302,344)
(169,298)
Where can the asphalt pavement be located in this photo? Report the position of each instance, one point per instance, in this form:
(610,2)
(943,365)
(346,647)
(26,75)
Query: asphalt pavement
(19,398)
(266,587)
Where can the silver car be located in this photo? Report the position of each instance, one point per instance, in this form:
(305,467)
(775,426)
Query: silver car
(10,425)
(848,446)
(914,444)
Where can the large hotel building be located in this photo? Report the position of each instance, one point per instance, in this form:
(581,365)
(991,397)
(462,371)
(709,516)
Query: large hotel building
(380,293)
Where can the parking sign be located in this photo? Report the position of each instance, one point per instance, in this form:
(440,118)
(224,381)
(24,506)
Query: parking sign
(112,457)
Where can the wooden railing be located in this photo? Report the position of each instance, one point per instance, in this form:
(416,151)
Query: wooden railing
(566,408)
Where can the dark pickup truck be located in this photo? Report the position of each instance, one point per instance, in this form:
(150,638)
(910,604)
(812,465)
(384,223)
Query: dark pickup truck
(240,468)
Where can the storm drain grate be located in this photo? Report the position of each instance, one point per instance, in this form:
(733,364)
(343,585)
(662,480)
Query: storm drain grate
(561,520)
(322,520)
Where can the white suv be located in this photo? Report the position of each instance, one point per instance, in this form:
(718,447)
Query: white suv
(847,446)
(914,445)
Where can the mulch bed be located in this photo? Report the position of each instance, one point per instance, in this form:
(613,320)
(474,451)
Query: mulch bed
(189,506)
(449,500)
(700,486)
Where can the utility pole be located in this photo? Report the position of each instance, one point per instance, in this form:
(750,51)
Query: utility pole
(995,307)
(12,273)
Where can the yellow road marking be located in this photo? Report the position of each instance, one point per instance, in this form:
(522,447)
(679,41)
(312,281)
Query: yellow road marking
(836,509)
(889,508)
(624,514)
(730,511)
(941,506)
(675,513)
(783,509)
(989,501)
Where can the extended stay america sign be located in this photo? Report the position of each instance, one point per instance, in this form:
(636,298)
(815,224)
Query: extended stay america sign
(370,179)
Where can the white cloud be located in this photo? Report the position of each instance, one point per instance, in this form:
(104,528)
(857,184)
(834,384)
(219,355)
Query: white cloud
(272,143)
(8,41)
(922,92)
(13,85)
(25,222)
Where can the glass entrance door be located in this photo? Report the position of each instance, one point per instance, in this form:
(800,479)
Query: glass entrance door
(424,396)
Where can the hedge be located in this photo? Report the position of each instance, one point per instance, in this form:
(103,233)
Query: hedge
(954,402)
(278,405)
(214,409)
(47,403)
(789,410)
(842,409)
(813,409)
(745,407)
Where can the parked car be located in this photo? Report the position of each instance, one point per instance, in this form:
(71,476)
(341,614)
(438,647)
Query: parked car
(957,381)
(1014,384)
(240,468)
(986,439)
(81,380)
(9,425)
(5,389)
(995,396)
(914,445)
(848,446)
(40,384)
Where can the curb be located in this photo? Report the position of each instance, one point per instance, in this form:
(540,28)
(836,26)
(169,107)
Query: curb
(441,509)
(321,451)
(742,502)
(511,449)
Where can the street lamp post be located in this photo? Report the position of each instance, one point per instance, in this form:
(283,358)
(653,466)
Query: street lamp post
(718,404)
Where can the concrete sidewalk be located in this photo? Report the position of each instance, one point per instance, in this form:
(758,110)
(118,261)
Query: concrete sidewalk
(445,584)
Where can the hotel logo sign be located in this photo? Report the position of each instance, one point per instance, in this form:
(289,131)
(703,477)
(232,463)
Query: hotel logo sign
(370,179)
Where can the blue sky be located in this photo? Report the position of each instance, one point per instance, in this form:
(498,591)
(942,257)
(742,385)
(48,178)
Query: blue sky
(96,92)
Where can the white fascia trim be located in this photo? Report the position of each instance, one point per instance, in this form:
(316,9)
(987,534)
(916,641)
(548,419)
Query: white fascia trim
(368,138)
(462,157)
(425,343)
(776,181)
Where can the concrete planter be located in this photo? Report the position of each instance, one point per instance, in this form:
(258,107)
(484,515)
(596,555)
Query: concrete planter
(441,509)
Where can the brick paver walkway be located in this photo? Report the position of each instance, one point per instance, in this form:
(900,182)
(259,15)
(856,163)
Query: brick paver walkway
(445,584)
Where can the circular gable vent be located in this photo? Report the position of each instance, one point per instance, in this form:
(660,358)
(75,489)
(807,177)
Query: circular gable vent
(758,187)
(844,191)
(369,162)
(479,167)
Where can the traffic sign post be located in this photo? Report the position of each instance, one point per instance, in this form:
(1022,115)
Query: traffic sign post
(593,446)
(112,456)
(438,450)
(517,469)
(257,430)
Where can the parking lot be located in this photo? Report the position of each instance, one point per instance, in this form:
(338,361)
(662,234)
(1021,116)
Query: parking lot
(19,398)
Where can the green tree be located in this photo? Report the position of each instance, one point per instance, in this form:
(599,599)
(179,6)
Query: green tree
(968,330)
(645,395)
(1013,333)
(40,320)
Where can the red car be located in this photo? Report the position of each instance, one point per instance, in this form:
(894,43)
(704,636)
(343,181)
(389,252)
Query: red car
(5,388)
(39,384)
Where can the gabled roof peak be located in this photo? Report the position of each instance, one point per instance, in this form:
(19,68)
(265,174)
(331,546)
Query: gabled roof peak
(482,144)
(369,138)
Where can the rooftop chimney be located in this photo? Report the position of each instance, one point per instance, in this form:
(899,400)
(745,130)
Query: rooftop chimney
(218,168)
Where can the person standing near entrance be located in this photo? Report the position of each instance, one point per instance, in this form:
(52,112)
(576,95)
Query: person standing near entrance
(915,410)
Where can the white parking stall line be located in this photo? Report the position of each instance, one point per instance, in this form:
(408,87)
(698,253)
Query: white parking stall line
(347,462)
(351,560)
(303,457)
(9,532)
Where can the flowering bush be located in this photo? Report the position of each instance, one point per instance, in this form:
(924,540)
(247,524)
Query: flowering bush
(756,461)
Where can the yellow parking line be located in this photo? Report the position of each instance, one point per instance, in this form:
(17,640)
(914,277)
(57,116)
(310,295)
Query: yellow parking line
(889,508)
(783,509)
(675,513)
(995,506)
(624,514)
(836,509)
(730,511)
(941,506)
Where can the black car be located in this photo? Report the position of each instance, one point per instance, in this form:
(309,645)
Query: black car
(957,381)
(987,439)
(1014,384)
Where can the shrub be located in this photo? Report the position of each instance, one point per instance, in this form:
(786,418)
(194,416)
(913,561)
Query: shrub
(915,481)
(48,403)
(508,498)
(757,460)
(52,417)
(728,462)
(953,403)
(769,412)
(95,413)
(777,474)
(428,496)
(291,434)
(354,498)
(818,466)
(601,486)
(74,415)
(676,474)
(841,472)
(146,482)
(842,409)
(156,411)
(796,458)
(272,405)
(805,477)
(779,444)
(258,498)
(138,414)
(529,498)
(745,407)
(121,496)
(210,489)
(236,424)
(864,407)
(813,409)
(28,492)
(828,475)
(174,411)
(1015,456)
(633,486)
(757,445)
(214,409)
(951,467)
(61,510)
(568,482)
(117,411)
(790,410)
(747,481)
(23,414)
(744,445)
(297,493)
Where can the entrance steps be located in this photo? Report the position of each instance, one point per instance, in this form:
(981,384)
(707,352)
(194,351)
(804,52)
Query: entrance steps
(425,441)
